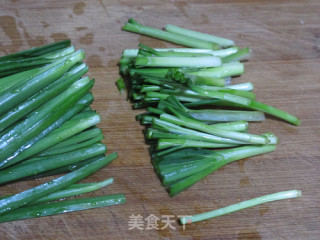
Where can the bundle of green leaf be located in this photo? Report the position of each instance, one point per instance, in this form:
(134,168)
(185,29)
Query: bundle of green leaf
(192,106)
(47,127)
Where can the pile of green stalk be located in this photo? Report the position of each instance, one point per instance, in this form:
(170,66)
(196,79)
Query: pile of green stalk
(196,120)
(47,127)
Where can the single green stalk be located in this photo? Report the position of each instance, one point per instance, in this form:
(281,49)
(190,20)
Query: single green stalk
(47,209)
(223,42)
(241,205)
(240,55)
(184,96)
(74,190)
(241,87)
(194,135)
(132,53)
(71,191)
(150,72)
(165,152)
(249,103)
(188,154)
(152,99)
(148,51)
(149,88)
(238,126)
(163,83)
(236,92)
(187,143)
(187,62)
(213,101)
(211,129)
(73,147)
(83,136)
(125,60)
(207,81)
(226,70)
(133,26)
(209,116)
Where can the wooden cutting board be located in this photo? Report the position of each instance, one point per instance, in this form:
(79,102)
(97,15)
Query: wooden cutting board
(285,39)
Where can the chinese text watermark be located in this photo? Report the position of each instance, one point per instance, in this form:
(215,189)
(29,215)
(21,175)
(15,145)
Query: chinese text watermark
(152,222)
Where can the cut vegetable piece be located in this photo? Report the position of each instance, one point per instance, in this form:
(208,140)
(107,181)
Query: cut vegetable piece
(65,169)
(47,209)
(131,53)
(148,51)
(37,51)
(74,190)
(121,85)
(208,115)
(20,199)
(42,96)
(198,35)
(240,206)
(197,125)
(241,54)
(194,62)
(73,147)
(75,125)
(78,138)
(226,70)
(20,92)
(24,76)
(250,103)
(38,165)
(227,156)
(39,120)
(186,143)
(193,135)
(16,66)
(28,148)
(133,26)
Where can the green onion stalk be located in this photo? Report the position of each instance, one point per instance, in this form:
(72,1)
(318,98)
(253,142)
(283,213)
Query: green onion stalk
(241,205)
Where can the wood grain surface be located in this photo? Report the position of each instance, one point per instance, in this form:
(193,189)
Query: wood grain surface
(285,39)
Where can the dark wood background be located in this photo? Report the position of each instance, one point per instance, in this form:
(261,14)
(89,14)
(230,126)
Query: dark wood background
(285,39)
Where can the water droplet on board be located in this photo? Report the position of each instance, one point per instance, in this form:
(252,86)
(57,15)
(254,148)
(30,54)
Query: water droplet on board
(79,8)
(87,39)
(59,36)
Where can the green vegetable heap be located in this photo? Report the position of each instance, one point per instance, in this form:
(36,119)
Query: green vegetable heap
(46,128)
(177,86)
